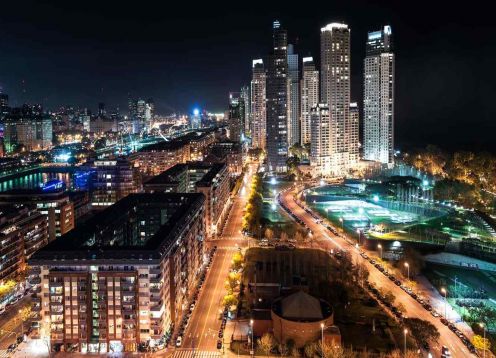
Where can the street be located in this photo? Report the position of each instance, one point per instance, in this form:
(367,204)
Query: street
(11,325)
(203,329)
(413,309)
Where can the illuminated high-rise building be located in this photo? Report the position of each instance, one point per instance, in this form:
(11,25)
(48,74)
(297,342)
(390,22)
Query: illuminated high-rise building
(320,151)
(335,91)
(258,113)
(378,100)
(277,101)
(309,97)
(235,120)
(245,96)
(293,97)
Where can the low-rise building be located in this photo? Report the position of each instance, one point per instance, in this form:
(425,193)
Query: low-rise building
(212,180)
(123,277)
(23,230)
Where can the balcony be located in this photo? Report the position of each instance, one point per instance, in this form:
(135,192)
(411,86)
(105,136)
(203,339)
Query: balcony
(34,270)
(156,308)
(34,280)
(155,298)
(155,271)
(156,279)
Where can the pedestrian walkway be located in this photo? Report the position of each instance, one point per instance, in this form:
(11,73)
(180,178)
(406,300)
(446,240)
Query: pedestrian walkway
(4,354)
(193,353)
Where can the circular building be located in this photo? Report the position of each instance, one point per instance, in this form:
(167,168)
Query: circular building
(300,317)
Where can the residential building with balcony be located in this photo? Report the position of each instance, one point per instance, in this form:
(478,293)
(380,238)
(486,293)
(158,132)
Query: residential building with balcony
(212,180)
(123,277)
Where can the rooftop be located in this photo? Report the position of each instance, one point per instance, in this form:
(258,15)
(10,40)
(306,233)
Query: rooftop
(302,307)
(138,227)
(169,176)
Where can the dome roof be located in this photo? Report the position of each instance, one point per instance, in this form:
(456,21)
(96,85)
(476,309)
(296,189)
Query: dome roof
(301,305)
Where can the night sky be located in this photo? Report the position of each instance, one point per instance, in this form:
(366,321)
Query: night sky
(84,52)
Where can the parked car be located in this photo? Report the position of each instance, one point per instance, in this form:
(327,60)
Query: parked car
(179,341)
(12,348)
(219,344)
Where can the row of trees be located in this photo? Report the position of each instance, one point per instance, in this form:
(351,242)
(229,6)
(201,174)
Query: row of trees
(268,345)
(253,211)
(464,174)
(233,280)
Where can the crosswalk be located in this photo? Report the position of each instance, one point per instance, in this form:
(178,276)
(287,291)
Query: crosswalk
(193,353)
(4,354)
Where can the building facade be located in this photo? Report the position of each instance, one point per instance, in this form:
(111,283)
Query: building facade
(320,151)
(28,127)
(335,91)
(294,126)
(123,277)
(378,101)
(52,201)
(277,101)
(212,180)
(23,231)
(114,179)
(309,97)
(235,120)
(258,112)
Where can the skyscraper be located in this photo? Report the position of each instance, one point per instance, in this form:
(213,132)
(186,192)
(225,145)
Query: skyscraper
(335,91)
(378,101)
(309,96)
(320,151)
(277,99)
(245,95)
(258,113)
(293,98)
(235,121)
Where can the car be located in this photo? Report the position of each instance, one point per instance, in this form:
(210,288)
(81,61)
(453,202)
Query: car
(434,313)
(444,321)
(445,352)
(427,306)
(221,334)
(179,341)
(192,306)
(397,282)
(2,310)
(219,344)
(20,339)
(413,295)
(12,348)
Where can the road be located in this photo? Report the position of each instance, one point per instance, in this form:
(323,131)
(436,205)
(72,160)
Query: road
(202,331)
(328,241)
(11,325)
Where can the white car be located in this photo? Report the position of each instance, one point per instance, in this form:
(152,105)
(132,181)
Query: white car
(179,341)
(2,310)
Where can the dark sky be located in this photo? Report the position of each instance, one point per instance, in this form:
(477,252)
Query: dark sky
(182,54)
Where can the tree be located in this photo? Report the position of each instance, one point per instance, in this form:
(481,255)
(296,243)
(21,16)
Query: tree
(310,349)
(237,261)
(299,237)
(267,343)
(422,331)
(481,343)
(333,351)
(389,297)
(401,307)
(363,273)
(269,234)
(230,300)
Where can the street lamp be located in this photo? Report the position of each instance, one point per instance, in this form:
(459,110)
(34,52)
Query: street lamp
(251,326)
(405,331)
(342,224)
(379,246)
(322,337)
(445,292)
(484,330)
(407,265)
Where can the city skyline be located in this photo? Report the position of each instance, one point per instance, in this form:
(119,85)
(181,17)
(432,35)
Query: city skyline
(71,63)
